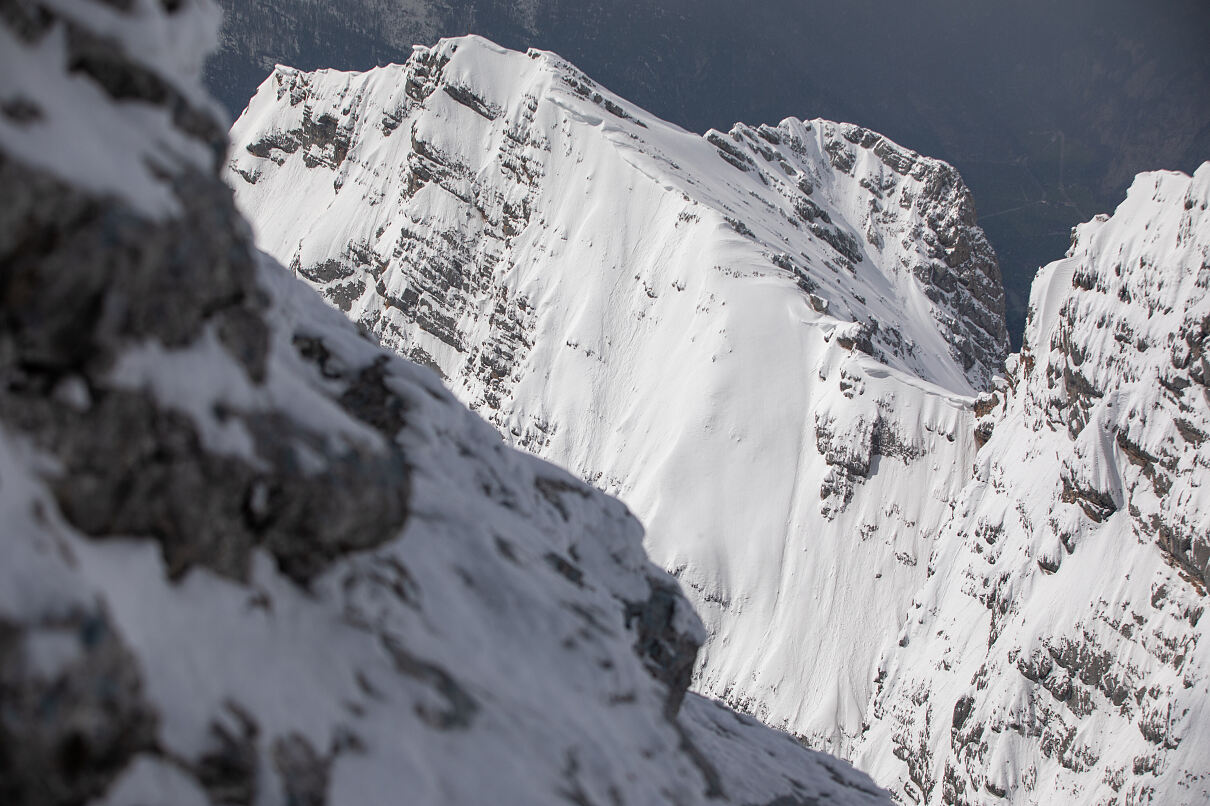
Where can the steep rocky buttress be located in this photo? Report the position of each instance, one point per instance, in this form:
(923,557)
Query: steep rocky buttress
(1060,652)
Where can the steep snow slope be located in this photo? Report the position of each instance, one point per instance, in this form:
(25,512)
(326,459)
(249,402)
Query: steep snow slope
(729,332)
(249,556)
(1060,654)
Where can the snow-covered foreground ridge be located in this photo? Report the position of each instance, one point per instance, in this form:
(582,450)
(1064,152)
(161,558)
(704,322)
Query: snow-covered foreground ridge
(249,557)
(767,342)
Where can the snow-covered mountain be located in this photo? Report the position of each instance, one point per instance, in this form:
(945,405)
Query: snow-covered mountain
(418,190)
(728,331)
(1055,106)
(769,343)
(1085,534)
(250,557)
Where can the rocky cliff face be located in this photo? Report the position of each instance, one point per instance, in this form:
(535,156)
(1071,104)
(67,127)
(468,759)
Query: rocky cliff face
(1119,362)
(1083,536)
(251,557)
(767,341)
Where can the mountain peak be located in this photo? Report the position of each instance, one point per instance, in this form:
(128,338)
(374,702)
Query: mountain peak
(869,229)
(773,314)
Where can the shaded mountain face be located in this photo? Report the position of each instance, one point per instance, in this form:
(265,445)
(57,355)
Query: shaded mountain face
(250,556)
(768,342)
(1047,109)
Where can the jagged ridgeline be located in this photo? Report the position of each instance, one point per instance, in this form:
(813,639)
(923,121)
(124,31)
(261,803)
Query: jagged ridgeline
(432,185)
(780,345)
(249,557)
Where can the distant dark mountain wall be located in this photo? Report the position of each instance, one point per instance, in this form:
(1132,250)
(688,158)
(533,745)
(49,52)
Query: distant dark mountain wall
(1047,109)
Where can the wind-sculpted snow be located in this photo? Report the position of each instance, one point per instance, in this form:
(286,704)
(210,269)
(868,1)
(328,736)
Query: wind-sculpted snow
(1060,654)
(250,556)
